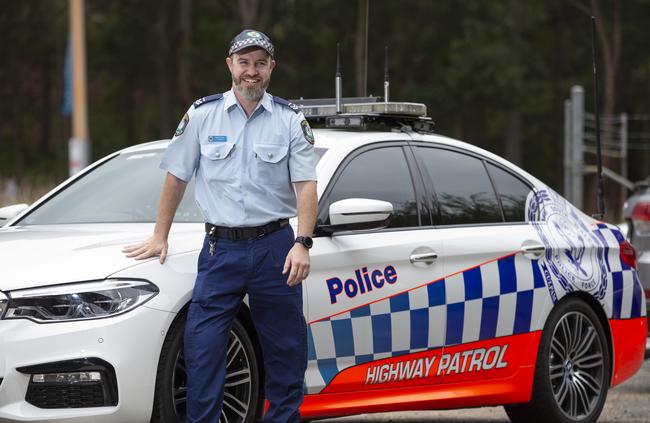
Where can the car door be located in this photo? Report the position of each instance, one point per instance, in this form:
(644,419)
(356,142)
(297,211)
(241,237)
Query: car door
(368,310)
(494,293)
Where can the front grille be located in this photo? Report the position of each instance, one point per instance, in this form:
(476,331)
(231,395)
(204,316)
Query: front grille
(66,396)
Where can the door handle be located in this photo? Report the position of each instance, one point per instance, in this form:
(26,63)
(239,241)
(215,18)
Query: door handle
(533,251)
(427,258)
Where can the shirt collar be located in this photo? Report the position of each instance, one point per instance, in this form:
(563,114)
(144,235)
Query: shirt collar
(230,101)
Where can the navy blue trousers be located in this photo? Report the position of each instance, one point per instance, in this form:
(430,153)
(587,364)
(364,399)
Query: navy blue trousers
(252,267)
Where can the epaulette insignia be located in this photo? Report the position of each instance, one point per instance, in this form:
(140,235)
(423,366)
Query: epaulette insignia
(287,103)
(208,99)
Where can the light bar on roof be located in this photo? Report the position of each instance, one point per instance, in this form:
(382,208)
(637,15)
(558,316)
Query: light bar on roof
(385,108)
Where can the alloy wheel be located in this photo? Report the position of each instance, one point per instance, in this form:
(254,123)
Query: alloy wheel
(576,365)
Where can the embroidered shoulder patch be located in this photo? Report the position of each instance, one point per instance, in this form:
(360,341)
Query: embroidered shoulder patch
(307,132)
(182,125)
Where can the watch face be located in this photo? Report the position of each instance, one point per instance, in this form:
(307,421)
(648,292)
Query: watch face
(305,240)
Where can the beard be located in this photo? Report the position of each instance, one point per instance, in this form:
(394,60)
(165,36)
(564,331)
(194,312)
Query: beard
(251,92)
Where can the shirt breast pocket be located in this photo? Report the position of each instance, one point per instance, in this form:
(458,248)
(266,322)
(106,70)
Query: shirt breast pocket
(217,161)
(271,164)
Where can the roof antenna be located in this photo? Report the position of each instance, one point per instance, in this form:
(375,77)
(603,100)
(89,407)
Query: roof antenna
(600,196)
(386,81)
(338,80)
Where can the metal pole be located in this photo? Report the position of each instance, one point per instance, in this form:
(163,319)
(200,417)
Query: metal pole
(78,145)
(577,144)
(568,175)
(623,135)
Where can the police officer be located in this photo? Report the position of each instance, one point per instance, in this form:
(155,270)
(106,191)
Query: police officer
(248,150)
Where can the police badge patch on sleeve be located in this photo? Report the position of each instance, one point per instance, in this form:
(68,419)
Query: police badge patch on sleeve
(182,125)
(306,130)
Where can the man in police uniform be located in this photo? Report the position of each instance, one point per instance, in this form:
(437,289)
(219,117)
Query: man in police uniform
(246,148)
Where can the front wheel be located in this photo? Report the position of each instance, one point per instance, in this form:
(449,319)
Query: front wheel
(572,373)
(242,402)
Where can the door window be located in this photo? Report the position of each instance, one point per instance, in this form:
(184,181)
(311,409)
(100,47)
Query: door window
(463,190)
(379,174)
(512,193)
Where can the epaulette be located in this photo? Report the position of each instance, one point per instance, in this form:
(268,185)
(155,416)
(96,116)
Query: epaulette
(208,99)
(287,103)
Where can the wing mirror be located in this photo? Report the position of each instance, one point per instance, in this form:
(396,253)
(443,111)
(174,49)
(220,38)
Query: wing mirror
(9,212)
(356,214)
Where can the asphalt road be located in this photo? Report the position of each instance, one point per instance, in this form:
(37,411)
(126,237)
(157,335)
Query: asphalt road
(628,402)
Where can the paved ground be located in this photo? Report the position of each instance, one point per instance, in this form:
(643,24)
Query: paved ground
(629,403)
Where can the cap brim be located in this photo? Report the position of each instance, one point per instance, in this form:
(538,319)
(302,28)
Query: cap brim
(251,46)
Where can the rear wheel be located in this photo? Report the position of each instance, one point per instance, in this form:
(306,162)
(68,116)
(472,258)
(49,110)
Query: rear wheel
(572,373)
(242,402)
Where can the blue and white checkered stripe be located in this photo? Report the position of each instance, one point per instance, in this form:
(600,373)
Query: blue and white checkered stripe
(498,298)
(624,297)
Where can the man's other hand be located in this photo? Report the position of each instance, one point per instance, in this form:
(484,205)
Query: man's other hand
(297,262)
(154,246)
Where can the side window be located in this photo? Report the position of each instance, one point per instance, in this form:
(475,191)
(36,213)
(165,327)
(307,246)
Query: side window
(462,187)
(512,193)
(380,174)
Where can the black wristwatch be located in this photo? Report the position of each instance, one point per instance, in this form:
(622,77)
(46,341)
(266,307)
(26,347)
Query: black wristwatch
(306,241)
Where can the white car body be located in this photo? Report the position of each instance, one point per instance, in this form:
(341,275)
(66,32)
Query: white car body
(45,255)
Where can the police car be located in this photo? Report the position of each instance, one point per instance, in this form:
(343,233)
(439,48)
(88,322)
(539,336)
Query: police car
(442,276)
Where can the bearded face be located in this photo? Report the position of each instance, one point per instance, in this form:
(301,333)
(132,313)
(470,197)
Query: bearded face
(251,73)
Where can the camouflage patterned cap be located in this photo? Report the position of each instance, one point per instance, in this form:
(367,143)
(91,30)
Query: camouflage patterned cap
(251,38)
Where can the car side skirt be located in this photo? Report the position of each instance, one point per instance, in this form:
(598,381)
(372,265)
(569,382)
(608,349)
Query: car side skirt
(491,372)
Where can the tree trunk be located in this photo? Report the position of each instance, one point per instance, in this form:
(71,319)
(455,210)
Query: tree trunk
(513,136)
(46,106)
(185,45)
(360,49)
(164,70)
(248,12)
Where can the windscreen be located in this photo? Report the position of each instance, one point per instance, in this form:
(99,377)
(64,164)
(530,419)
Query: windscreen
(125,189)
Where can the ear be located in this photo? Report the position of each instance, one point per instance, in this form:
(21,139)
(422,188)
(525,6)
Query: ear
(229,63)
(272,64)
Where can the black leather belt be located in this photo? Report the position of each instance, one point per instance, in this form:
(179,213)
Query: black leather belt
(239,234)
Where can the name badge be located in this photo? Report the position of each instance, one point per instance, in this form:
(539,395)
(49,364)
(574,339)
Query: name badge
(217,138)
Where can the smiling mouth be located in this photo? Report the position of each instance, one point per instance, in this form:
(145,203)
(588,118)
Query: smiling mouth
(251,81)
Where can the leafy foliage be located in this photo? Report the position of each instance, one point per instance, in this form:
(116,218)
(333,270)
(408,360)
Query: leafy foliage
(494,73)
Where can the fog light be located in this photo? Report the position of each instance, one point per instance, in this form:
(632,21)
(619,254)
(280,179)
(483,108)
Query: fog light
(67,378)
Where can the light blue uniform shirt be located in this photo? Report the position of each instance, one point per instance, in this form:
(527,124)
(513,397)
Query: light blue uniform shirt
(244,167)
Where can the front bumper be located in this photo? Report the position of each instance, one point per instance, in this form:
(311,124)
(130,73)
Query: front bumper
(130,343)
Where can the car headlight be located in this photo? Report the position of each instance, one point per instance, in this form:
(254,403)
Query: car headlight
(78,301)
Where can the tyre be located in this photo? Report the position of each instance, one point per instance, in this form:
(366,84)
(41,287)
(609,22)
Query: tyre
(572,373)
(242,401)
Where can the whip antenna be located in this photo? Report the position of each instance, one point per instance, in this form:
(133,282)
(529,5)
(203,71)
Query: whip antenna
(600,195)
(386,81)
(338,78)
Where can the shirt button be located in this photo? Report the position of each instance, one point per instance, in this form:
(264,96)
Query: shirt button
(270,155)
(218,154)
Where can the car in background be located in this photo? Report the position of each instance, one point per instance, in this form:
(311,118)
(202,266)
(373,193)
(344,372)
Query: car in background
(636,212)
(443,276)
